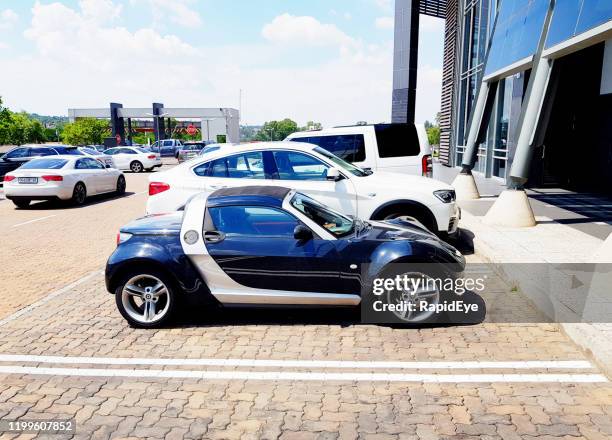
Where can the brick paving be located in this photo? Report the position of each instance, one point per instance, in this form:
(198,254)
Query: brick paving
(83,321)
(45,255)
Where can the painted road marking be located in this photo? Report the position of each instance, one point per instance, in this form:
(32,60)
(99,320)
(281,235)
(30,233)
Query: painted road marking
(34,221)
(298,376)
(282,363)
(49,297)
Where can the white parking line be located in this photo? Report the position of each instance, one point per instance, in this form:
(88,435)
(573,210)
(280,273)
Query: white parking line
(49,297)
(278,375)
(33,221)
(282,363)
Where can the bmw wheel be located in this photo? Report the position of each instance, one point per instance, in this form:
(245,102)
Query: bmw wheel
(136,167)
(146,299)
(79,194)
(120,186)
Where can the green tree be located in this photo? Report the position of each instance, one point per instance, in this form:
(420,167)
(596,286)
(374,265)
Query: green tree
(276,130)
(85,131)
(5,122)
(311,125)
(22,129)
(433,135)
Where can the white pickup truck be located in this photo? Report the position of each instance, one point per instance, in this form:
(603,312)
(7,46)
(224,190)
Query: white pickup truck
(398,148)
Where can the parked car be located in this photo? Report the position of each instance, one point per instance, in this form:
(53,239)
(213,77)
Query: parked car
(17,156)
(167,147)
(209,148)
(261,245)
(135,159)
(63,177)
(95,154)
(98,148)
(189,150)
(314,171)
(400,148)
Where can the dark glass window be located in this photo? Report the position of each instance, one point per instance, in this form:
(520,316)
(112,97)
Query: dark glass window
(239,166)
(42,152)
(350,147)
(518,30)
(253,220)
(202,170)
(396,140)
(292,165)
(18,152)
(44,164)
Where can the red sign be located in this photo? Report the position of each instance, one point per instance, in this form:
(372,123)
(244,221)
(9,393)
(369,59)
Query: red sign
(118,138)
(191,130)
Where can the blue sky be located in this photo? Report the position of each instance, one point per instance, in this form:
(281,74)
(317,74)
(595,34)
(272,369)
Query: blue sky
(329,61)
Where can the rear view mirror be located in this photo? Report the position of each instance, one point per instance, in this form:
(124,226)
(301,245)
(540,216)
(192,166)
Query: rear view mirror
(302,233)
(333,174)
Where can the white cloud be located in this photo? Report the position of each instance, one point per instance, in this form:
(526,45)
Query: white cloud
(181,12)
(100,10)
(385,22)
(304,30)
(89,63)
(383,4)
(8,18)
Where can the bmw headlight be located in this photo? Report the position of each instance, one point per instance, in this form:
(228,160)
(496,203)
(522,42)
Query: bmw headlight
(446,195)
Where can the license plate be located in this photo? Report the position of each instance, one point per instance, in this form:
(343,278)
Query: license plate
(28,180)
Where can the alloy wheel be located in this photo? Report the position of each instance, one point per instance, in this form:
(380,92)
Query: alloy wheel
(136,167)
(145,299)
(421,298)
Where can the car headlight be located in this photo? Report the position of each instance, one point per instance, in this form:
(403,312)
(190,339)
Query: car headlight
(446,195)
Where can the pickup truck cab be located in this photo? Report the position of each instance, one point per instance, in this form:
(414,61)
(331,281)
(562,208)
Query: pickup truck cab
(397,148)
(167,147)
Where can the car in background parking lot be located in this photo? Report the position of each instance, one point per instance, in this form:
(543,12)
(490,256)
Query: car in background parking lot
(95,154)
(316,172)
(399,148)
(134,159)
(64,177)
(189,150)
(17,156)
(167,147)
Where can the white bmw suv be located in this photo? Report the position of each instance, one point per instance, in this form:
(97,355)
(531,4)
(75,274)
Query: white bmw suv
(312,171)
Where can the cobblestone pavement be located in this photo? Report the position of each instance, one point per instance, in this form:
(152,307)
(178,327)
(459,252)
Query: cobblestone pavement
(250,374)
(83,322)
(50,245)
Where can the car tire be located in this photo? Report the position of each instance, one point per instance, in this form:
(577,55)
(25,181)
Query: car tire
(417,271)
(22,203)
(120,186)
(79,194)
(131,298)
(136,167)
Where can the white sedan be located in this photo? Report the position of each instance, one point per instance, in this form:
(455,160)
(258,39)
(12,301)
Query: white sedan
(313,171)
(100,157)
(61,178)
(135,159)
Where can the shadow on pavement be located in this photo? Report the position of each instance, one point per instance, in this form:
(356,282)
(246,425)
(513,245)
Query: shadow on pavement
(304,315)
(60,204)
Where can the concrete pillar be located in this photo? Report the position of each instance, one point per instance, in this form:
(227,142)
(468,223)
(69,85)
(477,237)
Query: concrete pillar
(464,183)
(405,54)
(117,125)
(129,130)
(158,121)
(512,206)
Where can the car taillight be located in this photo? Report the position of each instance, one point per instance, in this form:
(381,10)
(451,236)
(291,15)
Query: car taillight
(52,178)
(151,156)
(427,166)
(9,178)
(122,237)
(157,187)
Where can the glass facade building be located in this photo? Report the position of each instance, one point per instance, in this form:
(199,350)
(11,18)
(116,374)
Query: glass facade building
(499,42)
